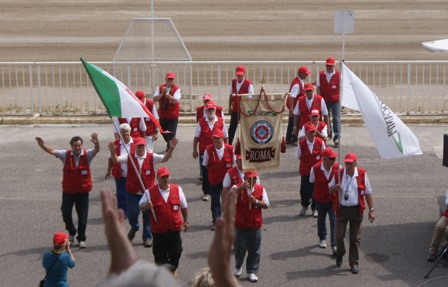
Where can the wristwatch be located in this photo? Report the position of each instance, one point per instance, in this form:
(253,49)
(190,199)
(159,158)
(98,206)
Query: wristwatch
(372,209)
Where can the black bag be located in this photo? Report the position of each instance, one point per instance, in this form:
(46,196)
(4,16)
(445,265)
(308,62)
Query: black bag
(42,283)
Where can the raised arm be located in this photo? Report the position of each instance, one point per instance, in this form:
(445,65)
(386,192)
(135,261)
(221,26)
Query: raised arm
(42,145)
(113,155)
(96,142)
(169,153)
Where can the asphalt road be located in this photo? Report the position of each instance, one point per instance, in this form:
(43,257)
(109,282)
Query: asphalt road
(393,249)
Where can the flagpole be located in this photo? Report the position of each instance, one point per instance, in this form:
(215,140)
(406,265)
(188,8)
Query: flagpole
(134,167)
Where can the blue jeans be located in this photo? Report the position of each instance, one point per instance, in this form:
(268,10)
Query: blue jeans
(122,196)
(215,203)
(248,240)
(323,209)
(334,110)
(81,202)
(134,211)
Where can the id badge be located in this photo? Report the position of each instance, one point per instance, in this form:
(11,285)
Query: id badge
(333,87)
(318,157)
(175,207)
(84,172)
(363,192)
(148,172)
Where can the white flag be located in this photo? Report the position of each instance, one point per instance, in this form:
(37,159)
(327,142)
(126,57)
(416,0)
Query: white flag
(392,138)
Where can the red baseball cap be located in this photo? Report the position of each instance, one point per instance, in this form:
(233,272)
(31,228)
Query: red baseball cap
(314,113)
(328,152)
(309,87)
(217,133)
(59,238)
(140,94)
(210,105)
(330,61)
(139,141)
(251,174)
(240,70)
(163,171)
(206,97)
(169,75)
(350,157)
(303,69)
(309,127)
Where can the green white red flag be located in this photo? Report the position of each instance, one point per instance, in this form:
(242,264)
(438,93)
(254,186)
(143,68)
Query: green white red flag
(118,99)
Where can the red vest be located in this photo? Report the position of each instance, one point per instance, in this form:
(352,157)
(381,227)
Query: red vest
(149,124)
(206,138)
(135,126)
(244,89)
(234,175)
(320,194)
(217,168)
(360,180)
(246,218)
(329,91)
(307,160)
(296,81)
(304,116)
(146,172)
(76,180)
(166,109)
(200,112)
(167,213)
(116,167)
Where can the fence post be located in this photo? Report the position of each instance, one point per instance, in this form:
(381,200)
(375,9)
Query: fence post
(219,84)
(31,88)
(408,91)
(191,87)
(39,90)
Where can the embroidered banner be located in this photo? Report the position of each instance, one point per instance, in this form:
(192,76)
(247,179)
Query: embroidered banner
(261,130)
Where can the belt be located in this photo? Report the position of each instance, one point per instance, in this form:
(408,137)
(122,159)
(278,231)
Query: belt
(349,207)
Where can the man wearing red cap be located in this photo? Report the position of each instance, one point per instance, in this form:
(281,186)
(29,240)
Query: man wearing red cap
(218,158)
(144,162)
(76,183)
(252,198)
(201,111)
(321,127)
(168,202)
(168,95)
(203,137)
(305,105)
(309,153)
(350,201)
(239,86)
(120,171)
(328,87)
(296,90)
(151,129)
(320,175)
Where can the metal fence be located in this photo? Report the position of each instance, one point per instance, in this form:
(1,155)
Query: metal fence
(53,88)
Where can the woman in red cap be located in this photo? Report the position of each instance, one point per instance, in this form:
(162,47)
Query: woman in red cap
(57,261)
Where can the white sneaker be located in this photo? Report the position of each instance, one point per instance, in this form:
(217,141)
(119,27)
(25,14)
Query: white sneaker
(206,197)
(315,213)
(82,244)
(252,277)
(237,272)
(302,211)
(322,244)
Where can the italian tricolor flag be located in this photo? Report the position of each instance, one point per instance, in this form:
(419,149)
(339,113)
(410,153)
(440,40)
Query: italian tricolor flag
(118,99)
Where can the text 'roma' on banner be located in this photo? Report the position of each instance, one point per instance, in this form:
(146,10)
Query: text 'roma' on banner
(118,99)
(392,138)
(261,130)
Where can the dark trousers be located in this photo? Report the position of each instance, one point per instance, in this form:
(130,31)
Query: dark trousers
(289,135)
(323,209)
(215,203)
(351,216)
(232,127)
(204,171)
(122,196)
(81,202)
(168,125)
(167,248)
(248,240)
(306,192)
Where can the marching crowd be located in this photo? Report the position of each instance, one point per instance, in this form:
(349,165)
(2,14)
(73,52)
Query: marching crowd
(236,197)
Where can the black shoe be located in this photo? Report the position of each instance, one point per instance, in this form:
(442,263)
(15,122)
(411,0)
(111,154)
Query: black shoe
(354,269)
(338,261)
(131,234)
(431,257)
